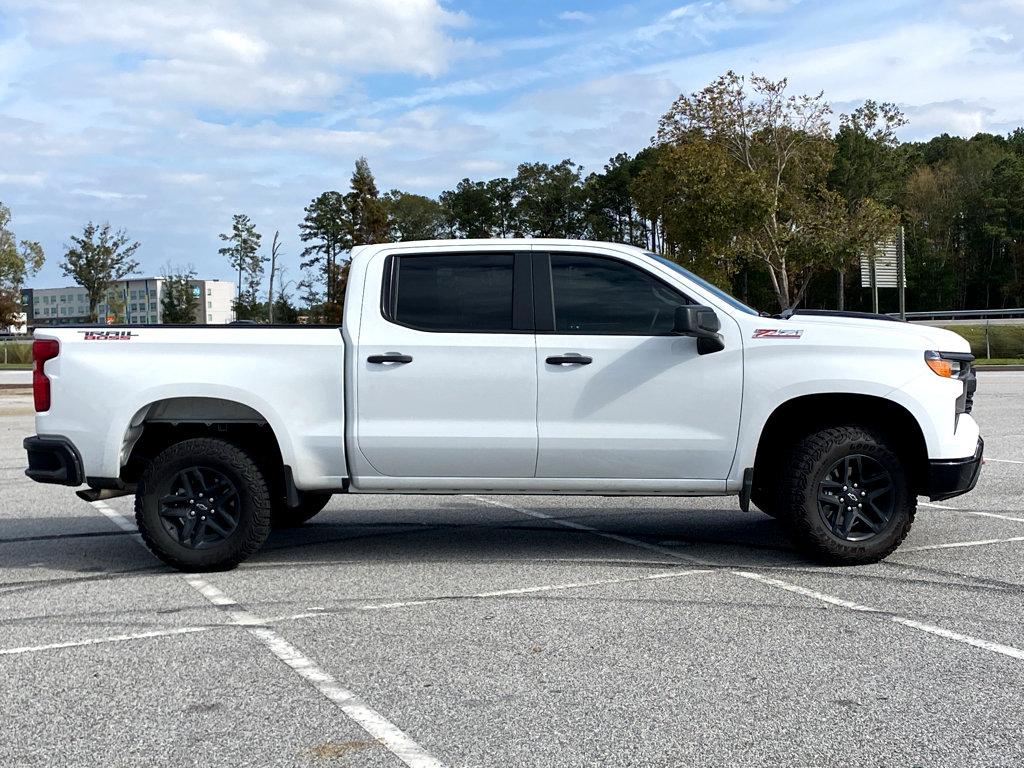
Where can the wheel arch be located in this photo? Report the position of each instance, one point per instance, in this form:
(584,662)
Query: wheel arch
(162,422)
(804,414)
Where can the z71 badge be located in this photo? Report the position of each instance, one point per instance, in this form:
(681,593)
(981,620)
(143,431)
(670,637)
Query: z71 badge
(108,336)
(778,333)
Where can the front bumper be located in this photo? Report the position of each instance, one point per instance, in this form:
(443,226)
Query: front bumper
(953,477)
(53,459)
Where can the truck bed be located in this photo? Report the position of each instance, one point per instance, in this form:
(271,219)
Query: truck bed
(108,380)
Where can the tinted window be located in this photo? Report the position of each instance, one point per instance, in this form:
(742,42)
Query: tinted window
(728,298)
(465,292)
(603,296)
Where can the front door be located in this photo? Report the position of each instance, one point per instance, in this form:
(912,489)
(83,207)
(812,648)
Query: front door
(446,374)
(618,395)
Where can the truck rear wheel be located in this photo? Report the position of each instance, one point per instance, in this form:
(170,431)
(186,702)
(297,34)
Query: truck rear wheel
(310,503)
(203,505)
(847,496)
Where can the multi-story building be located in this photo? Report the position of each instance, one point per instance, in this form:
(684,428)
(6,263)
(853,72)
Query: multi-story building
(133,300)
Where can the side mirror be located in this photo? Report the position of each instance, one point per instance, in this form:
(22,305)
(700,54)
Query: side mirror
(701,322)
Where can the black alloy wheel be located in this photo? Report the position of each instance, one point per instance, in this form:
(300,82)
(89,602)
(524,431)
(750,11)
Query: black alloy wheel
(202,509)
(856,498)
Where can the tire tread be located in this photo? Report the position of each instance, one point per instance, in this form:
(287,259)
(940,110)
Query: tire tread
(254,486)
(803,463)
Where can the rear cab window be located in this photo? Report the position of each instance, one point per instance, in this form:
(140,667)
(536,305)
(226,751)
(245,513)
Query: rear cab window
(468,293)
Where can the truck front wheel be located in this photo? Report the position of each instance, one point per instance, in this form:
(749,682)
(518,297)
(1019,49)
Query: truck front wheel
(848,497)
(310,503)
(203,505)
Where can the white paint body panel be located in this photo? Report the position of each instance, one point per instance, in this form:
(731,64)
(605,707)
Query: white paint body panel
(484,412)
(292,378)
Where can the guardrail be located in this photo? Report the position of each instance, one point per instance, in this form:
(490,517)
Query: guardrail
(1012,312)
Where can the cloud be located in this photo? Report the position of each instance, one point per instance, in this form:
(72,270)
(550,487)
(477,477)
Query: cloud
(168,117)
(580,16)
(247,55)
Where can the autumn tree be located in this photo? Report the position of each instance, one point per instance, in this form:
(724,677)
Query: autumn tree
(697,200)
(783,143)
(97,258)
(19,260)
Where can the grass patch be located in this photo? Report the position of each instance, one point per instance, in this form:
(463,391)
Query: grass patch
(1005,342)
(998,362)
(15,366)
(15,352)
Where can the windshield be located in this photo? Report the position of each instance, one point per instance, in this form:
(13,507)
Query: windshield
(729,299)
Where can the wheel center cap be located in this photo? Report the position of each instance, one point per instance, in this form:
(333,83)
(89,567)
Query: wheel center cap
(851,498)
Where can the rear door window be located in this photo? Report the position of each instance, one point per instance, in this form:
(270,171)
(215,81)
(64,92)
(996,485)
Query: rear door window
(452,292)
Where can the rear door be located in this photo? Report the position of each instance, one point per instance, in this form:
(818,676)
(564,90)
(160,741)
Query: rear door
(446,366)
(618,395)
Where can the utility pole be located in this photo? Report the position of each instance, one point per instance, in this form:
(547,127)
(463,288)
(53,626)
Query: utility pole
(874,284)
(901,274)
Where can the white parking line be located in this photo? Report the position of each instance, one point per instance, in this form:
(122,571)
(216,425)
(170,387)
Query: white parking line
(537,589)
(590,529)
(376,725)
(980,643)
(1009,651)
(949,545)
(107,639)
(320,611)
(401,745)
(1006,461)
(971,512)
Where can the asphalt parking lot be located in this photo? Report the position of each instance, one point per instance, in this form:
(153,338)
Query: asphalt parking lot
(516,631)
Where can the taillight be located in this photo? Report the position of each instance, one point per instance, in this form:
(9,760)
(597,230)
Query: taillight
(42,351)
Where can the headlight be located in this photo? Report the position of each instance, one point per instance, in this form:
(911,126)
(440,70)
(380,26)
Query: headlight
(948,364)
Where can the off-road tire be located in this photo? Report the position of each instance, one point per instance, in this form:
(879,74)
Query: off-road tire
(807,465)
(253,505)
(310,503)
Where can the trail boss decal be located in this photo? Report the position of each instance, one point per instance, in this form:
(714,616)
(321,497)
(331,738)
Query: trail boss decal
(778,333)
(108,336)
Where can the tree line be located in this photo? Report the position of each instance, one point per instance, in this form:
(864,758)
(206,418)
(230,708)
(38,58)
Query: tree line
(744,182)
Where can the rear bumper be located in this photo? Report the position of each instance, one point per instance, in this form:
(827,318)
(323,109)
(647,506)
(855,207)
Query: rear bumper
(53,459)
(953,477)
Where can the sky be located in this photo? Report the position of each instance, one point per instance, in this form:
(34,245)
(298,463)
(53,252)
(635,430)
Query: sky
(165,117)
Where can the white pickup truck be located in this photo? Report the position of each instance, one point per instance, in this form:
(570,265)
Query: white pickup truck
(510,367)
